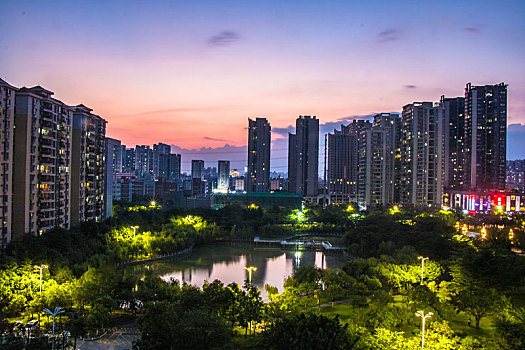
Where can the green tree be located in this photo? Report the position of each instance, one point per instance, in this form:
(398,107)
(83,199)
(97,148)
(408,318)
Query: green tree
(308,332)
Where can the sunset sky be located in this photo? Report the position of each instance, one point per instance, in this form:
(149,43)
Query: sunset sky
(191,73)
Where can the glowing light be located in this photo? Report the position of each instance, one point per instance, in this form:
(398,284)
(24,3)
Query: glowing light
(250,270)
(511,234)
(350,208)
(253,206)
(483,233)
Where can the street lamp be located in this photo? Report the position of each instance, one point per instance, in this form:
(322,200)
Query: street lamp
(41,267)
(134,230)
(250,270)
(58,310)
(423,317)
(153,203)
(422,267)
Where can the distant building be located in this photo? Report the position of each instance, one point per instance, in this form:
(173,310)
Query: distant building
(223,184)
(143,161)
(159,167)
(113,164)
(238,184)
(128,160)
(87,166)
(485,139)
(42,171)
(259,140)
(7,122)
(197,169)
(277,184)
(516,175)
(422,154)
(303,157)
(343,162)
(174,166)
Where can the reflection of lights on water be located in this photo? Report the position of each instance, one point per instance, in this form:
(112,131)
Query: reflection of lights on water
(298,258)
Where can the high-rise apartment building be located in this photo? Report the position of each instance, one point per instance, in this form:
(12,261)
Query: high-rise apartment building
(375,187)
(485,138)
(113,149)
(160,160)
(42,170)
(143,161)
(378,147)
(7,120)
(422,154)
(87,166)
(303,157)
(342,168)
(259,140)
(174,166)
(454,132)
(223,183)
(197,169)
(128,160)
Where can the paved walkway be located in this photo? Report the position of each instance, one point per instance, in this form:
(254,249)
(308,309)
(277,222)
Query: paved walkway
(117,339)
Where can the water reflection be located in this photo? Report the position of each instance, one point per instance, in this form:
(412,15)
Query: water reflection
(227,264)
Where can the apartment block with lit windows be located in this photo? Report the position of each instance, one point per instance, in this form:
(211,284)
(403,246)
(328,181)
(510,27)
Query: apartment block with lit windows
(422,146)
(87,161)
(42,170)
(7,116)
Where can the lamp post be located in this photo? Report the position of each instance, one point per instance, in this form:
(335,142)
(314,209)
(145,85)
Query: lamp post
(250,270)
(40,268)
(423,317)
(134,230)
(422,267)
(58,310)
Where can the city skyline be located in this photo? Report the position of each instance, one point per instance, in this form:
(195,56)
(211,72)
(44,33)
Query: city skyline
(168,80)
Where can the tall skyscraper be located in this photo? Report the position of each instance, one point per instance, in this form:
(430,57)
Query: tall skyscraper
(128,160)
(454,132)
(422,154)
(7,122)
(174,164)
(303,156)
(113,165)
(143,161)
(87,166)
(160,160)
(377,160)
(259,140)
(42,171)
(485,139)
(342,168)
(223,184)
(197,169)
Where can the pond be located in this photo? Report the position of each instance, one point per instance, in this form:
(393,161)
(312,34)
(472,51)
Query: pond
(227,264)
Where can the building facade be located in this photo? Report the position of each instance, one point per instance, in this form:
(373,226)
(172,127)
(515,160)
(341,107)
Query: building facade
(454,132)
(485,137)
(259,141)
(7,122)
(422,147)
(87,166)
(223,183)
(343,162)
(143,161)
(42,170)
(113,149)
(303,157)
